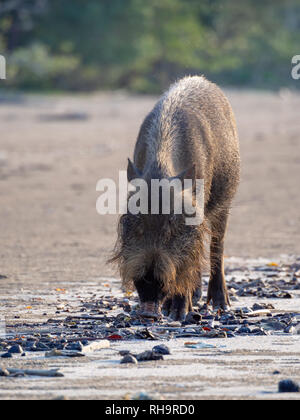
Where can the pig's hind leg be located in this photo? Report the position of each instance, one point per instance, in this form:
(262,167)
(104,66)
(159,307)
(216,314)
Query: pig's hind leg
(197,295)
(217,290)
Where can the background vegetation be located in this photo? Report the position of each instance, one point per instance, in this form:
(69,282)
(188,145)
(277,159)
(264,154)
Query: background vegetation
(142,45)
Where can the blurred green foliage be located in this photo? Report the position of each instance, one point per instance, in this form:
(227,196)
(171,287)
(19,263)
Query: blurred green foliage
(143,45)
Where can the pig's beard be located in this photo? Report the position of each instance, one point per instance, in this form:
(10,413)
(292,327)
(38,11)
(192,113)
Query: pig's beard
(178,273)
(177,265)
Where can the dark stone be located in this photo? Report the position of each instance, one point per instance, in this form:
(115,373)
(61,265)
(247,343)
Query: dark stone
(161,349)
(42,347)
(129,358)
(288,386)
(193,318)
(75,346)
(31,348)
(124,352)
(259,331)
(244,330)
(148,356)
(16,350)
(6,356)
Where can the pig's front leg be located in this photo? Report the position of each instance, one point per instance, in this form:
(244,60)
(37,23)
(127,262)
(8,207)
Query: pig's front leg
(151,296)
(177,307)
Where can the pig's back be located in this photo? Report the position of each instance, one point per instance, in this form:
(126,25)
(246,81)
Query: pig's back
(193,123)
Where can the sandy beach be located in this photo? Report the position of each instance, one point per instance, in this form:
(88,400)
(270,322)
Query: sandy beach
(53,150)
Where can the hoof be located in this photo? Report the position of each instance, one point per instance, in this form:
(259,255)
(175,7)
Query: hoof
(177,315)
(219,300)
(223,308)
(176,308)
(150,310)
(197,296)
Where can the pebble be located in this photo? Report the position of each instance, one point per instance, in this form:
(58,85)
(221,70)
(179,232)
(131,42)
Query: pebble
(262,306)
(4,372)
(31,348)
(124,352)
(96,345)
(143,396)
(174,324)
(6,356)
(247,310)
(275,325)
(61,353)
(41,347)
(161,349)
(288,386)
(193,318)
(259,331)
(129,359)
(74,346)
(148,356)
(244,330)
(214,334)
(290,330)
(16,350)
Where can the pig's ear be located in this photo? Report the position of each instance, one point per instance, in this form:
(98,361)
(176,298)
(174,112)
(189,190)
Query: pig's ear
(133,172)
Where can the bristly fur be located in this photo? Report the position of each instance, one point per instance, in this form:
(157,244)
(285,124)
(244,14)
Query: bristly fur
(177,263)
(191,125)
